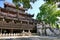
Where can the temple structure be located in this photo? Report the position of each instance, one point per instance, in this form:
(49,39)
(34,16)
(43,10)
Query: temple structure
(14,20)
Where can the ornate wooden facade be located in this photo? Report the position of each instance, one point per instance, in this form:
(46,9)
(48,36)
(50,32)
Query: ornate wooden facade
(14,20)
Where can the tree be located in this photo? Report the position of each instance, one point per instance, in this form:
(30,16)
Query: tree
(26,3)
(48,13)
(52,0)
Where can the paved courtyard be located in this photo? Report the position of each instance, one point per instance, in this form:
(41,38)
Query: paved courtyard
(30,38)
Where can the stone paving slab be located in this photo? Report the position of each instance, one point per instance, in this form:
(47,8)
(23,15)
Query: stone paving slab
(30,38)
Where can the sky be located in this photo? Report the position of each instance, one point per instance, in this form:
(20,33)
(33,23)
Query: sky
(35,6)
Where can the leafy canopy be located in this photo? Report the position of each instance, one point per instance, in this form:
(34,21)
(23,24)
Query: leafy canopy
(26,3)
(48,13)
(52,0)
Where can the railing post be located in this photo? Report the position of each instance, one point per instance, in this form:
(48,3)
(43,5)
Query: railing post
(21,22)
(23,33)
(29,33)
(3,19)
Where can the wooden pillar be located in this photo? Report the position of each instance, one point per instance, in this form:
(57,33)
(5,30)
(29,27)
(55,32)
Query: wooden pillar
(33,23)
(1,30)
(0,9)
(13,21)
(3,19)
(23,33)
(29,33)
(7,13)
(21,22)
(11,31)
(28,22)
(17,14)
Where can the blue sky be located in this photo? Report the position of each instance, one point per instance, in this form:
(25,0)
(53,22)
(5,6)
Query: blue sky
(35,6)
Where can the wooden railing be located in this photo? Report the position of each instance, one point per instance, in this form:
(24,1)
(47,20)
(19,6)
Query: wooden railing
(14,17)
(10,34)
(16,26)
(17,34)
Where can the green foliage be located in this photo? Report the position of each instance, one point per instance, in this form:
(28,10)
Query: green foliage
(26,3)
(52,0)
(48,13)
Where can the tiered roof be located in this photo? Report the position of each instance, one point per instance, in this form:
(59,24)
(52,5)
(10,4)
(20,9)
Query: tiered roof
(6,4)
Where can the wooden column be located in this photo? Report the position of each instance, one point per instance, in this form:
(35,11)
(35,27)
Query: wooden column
(1,30)
(17,14)
(3,19)
(28,22)
(7,14)
(33,24)
(11,30)
(29,33)
(23,33)
(0,9)
(13,21)
(21,22)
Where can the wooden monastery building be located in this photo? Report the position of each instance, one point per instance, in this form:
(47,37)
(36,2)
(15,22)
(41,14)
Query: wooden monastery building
(14,20)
